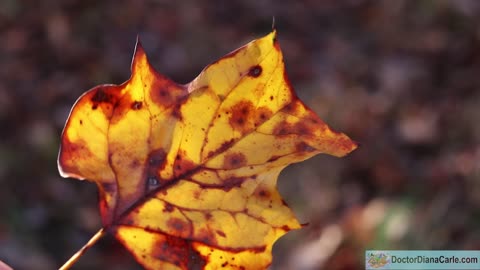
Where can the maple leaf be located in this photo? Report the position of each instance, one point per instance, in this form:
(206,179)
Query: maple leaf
(187,173)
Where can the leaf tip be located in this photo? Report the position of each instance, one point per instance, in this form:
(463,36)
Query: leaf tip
(139,54)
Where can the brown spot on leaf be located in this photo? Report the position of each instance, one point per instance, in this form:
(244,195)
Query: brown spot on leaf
(255,71)
(262,114)
(221,233)
(168,208)
(241,115)
(283,128)
(222,148)
(304,147)
(293,107)
(177,226)
(121,108)
(156,157)
(134,164)
(302,128)
(177,112)
(234,160)
(182,164)
(162,96)
(232,182)
(207,237)
(166,93)
(154,163)
(196,194)
(136,105)
(179,252)
(104,97)
(273,158)
(263,193)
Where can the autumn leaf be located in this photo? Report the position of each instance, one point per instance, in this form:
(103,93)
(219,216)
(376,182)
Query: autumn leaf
(187,173)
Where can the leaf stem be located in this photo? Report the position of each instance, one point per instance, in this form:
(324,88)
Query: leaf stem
(84,249)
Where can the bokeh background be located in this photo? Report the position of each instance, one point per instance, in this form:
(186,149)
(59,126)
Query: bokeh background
(400,77)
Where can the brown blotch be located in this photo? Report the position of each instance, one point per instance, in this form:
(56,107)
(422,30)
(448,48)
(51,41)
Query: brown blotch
(222,148)
(182,164)
(303,128)
(134,164)
(221,233)
(241,113)
(232,182)
(286,228)
(155,162)
(121,108)
(179,252)
(304,147)
(177,225)
(109,188)
(293,107)
(258,249)
(262,114)
(106,96)
(274,158)
(255,71)
(234,160)
(165,92)
(163,96)
(156,157)
(102,96)
(207,237)
(168,208)
(263,193)
(177,112)
(136,105)
(300,128)
(283,128)
(271,98)
(81,122)
(196,194)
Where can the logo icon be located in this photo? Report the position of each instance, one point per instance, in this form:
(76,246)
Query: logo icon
(377,259)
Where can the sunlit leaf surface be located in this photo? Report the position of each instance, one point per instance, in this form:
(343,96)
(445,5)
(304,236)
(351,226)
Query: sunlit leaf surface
(187,173)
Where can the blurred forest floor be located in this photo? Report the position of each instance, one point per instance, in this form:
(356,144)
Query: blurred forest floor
(400,77)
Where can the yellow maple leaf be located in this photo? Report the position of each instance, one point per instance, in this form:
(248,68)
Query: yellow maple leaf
(187,173)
